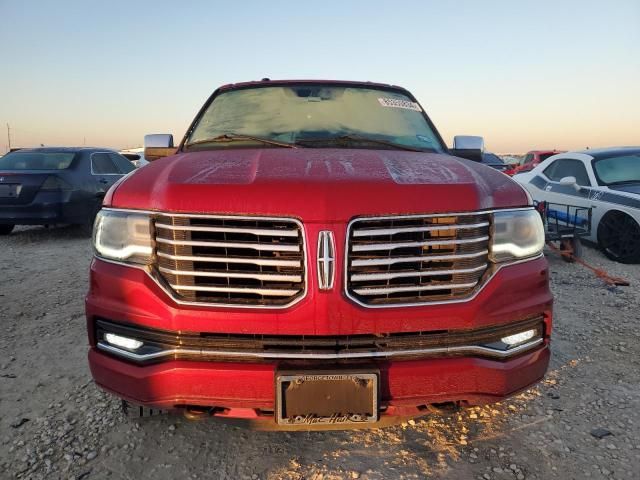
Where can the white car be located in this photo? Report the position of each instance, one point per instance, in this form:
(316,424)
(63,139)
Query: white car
(135,156)
(606,180)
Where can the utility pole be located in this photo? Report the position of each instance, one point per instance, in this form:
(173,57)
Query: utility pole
(9,135)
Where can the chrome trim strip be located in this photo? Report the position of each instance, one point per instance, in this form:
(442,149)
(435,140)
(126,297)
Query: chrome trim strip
(275,277)
(370,232)
(434,258)
(426,243)
(471,350)
(254,231)
(255,261)
(252,246)
(359,277)
(412,288)
(267,292)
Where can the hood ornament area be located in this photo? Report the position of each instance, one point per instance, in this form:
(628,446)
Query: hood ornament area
(326,260)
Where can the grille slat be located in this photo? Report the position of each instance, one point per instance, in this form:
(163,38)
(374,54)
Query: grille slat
(393,231)
(257,276)
(252,246)
(239,260)
(430,258)
(410,260)
(253,231)
(235,261)
(390,246)
(357,277)
(257,291)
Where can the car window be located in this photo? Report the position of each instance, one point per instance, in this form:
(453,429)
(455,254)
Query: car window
(618,170)
(544,156)
(567,167)
(491,158)
(528,158)
(101,164)
(123,164)
(36,161)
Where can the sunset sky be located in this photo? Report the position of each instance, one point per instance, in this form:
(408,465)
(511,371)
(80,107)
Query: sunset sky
(525,75)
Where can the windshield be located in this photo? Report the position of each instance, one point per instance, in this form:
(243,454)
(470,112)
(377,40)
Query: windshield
(491,158)
(624,169)
(36,161)
(315,116)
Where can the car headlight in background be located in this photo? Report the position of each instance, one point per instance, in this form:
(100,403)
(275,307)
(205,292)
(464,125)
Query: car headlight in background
(123,236)
(516,234)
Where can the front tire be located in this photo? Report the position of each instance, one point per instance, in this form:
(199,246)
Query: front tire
(619,237)
(86,229)
(6,229)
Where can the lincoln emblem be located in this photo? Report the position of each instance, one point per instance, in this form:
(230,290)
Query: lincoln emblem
(326,260)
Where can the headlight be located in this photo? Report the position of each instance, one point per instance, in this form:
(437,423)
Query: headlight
(123,236)
(516,234)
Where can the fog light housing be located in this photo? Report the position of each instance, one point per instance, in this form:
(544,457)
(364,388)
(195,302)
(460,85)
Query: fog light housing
(122,342)
(518,338)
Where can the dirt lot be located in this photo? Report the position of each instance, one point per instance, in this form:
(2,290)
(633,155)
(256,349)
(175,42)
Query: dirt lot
(56,424)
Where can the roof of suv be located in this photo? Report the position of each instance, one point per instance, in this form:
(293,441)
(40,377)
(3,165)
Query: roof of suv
(266,81)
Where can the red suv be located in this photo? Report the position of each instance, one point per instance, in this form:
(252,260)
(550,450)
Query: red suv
(312,256)
(531,160)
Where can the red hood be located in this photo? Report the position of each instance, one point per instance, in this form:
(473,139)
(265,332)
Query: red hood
(323,185)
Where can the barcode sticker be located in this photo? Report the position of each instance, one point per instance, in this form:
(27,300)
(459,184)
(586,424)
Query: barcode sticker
(396,103)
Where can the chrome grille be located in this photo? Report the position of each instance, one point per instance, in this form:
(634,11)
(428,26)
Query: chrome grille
(416,259)
(238,261)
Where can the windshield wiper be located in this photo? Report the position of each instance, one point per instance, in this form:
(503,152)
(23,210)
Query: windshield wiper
(233,137)
(357,138)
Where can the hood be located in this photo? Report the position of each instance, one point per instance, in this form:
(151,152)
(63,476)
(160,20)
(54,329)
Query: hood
(323,185)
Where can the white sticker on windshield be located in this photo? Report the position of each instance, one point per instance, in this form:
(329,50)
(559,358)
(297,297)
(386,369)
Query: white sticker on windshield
(396,103)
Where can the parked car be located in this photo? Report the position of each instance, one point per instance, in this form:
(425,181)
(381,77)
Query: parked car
(606,180)
(312,256)
(494,161)
(531,160)
(46,186)
(135,156)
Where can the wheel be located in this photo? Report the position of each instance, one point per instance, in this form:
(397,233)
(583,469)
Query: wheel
(6,229)
(619,237)
(86,229)
(131,410)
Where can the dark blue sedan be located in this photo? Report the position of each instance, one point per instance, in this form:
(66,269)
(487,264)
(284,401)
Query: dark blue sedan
(47,186)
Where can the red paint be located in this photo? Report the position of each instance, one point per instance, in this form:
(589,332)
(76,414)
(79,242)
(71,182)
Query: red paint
(325,189)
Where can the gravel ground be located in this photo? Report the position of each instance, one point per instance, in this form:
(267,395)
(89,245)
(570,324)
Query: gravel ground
(56,424)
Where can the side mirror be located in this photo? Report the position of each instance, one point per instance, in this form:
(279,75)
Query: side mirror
(570,181)
(468,146)
(158,145)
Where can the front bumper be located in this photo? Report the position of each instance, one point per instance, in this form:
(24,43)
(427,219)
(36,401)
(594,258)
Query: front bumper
(247,388)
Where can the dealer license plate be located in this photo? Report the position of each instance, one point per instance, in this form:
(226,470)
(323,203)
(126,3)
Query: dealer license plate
(340,398)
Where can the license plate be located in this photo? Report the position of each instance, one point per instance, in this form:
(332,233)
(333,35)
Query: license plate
(9,190)
(340,398)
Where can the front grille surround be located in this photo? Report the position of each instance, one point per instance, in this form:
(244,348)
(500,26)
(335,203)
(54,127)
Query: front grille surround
(196,263)
(466,269)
